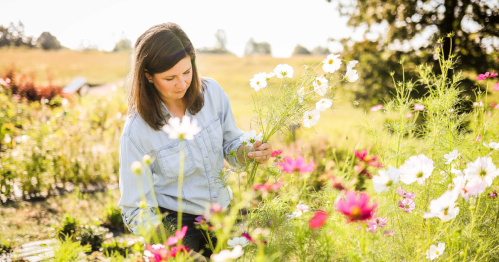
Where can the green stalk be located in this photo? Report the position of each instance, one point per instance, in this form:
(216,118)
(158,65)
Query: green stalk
(180,184)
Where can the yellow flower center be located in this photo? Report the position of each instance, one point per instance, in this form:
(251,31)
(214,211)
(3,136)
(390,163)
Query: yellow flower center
(257,82)
(330,61)
(437,253)
(355,211)
(309,117)
(318,82)
(419,175)
(483,173)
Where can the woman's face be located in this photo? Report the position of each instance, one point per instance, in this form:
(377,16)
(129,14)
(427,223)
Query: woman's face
(172,84)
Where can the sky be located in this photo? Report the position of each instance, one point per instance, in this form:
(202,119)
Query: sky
(282,23)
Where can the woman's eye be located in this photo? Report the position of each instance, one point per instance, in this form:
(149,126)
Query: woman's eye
(187,72)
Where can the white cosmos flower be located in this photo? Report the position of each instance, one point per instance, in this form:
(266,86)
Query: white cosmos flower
(294,214)
(482,168)
(237,241)
(227,255)
(311,118)
(444,207)
(435,251)
(416,168)
(451,156)
(259,81)
(467,187)
(320,85)
(283,70)
(492,145)
(351,64)
(7,139)
(331,63)
(270,75)
(301,94)
(351,75)
(323,104)
(385,179)
(185,130)
(250,137)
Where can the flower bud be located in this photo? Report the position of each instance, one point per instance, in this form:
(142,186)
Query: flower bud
(142,204)
(147,159)
(137,168)
(216,208)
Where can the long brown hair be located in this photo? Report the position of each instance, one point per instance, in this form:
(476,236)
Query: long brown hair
(159,49)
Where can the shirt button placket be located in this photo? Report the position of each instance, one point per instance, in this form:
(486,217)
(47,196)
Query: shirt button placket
(207,165)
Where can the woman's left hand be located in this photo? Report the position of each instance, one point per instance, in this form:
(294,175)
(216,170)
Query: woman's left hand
(262,152)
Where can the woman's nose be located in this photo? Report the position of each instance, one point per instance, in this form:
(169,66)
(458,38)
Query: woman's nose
(182,83)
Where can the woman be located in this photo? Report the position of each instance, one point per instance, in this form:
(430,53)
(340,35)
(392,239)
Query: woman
(163,82)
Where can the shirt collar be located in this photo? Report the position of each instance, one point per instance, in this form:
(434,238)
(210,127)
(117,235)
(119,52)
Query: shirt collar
(168,114)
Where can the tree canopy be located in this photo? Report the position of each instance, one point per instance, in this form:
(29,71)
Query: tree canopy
(475,24)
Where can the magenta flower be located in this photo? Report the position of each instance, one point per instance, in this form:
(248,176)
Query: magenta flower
(376,108)
(364,157)
(179,234)
(419,107)
(409,115)
(355,207)
(486,75)
(496,87)
(493,194)
(276,153)
(201,220)
(407,205)
(290,166)
(404,194)
(380,222)
(318,220)
(497,106)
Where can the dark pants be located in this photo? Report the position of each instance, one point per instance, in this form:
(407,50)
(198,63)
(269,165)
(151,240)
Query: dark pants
(195,239)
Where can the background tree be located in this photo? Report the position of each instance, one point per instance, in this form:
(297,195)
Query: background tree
(14,36)
(474,22)
(300,50)
(123,45)
(220,45)
(254,48)
(48,42)
(319,50)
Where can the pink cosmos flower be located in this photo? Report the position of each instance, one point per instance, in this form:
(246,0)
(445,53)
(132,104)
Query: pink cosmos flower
(372,226)
(376,108)
(407,205)
(493,74)
(497,106)
(216,208)
(318,220)
(179,234)
(404,194)
(200,220)
(496,87)
(478,139)
(409,115)
(250,239)
(388,233)
(380,222)
(419,107)
(157,253)
(482,76)
(355,206)
(492,104)
(336,182)
(276,153)
(303,208)
(290,166)
(16,98)
(364,157)
(268,186)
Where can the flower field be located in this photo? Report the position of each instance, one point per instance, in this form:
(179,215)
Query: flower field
(416,183)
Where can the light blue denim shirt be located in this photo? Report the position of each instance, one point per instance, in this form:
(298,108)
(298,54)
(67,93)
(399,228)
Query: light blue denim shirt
(204,157)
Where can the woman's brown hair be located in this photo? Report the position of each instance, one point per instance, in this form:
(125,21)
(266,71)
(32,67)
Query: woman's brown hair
(159,49)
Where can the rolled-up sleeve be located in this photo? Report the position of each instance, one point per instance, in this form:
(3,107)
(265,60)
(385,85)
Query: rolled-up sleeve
(231,133)
(134,217)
